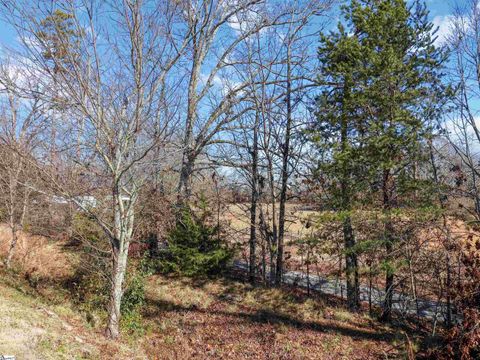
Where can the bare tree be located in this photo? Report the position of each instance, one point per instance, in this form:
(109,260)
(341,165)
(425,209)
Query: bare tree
(20,125)
(219,29)
(462,128)
(104,69)
(277,68)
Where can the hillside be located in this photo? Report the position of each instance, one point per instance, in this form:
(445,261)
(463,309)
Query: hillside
(32,328)
(185,318)
(210,319)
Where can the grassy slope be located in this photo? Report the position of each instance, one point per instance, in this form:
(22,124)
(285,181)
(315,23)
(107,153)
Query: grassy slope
(228,319)
(32,328)
(183,319)
(195,319)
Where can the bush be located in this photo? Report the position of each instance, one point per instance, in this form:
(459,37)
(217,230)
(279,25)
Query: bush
(133,298)
(90,284)
(195,247)
(463,340)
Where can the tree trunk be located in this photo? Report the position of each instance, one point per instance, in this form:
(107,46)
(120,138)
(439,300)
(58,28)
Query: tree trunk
(123,229)
(351,262)
(16,224)
(448,319)
(119,265)
(283,191)
(448,242)
(11,249)
(389,277)
(351,266)
(388,302)
(253,206)
(184,189)
(264,262)
(272,235)
(253,239)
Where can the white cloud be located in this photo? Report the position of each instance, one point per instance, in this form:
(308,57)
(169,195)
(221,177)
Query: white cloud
(445,25)
(222,82)
(246,20)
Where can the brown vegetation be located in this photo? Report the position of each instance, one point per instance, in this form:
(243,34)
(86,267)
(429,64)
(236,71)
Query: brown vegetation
(186,318)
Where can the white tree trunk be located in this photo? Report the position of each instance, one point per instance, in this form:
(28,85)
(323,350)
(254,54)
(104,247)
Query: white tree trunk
(123,222)
(120,256)
(13,244)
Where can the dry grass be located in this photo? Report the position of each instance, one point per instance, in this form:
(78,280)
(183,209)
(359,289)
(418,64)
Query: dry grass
(198,319)
(228,319)
(33,329)
(430,237)
(238,218)
(185,319)
(36,255)
(38,319)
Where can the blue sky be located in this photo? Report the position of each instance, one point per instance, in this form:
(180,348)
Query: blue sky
(439,11)
(439,7)
(7,35)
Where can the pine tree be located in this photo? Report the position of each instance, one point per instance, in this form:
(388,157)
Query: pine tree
(380,72)
(195,246)
(403,74)
(59,39)
(336,134)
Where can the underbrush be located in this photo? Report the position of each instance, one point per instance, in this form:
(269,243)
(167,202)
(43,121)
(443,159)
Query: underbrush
(193,314)
(189,316)
(80,279)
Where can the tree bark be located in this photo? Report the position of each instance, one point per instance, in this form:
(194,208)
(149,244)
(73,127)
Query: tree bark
(253,205)
(11,249)
(184,186)
(188,158)
(123,229)
(351,262)
(389,278)
(351,266)
(390,275)
(272,236)
(119,265)
(283,191)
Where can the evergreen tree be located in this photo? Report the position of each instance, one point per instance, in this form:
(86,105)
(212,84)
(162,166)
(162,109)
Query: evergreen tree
(380,72)
(195,246)
(336,134)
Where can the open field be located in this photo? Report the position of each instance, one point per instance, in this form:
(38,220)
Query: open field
(424,249)
(236,217)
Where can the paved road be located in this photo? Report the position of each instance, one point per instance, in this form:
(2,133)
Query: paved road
(403,304)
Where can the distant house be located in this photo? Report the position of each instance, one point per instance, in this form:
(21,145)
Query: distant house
(87,201)
(84,202)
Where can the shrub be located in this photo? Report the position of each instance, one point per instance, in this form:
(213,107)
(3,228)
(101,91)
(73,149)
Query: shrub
(195,247)
(133,298)
(463,340)
(90,285)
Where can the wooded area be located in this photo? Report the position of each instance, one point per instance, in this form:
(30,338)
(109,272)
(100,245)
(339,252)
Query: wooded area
(321,152)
